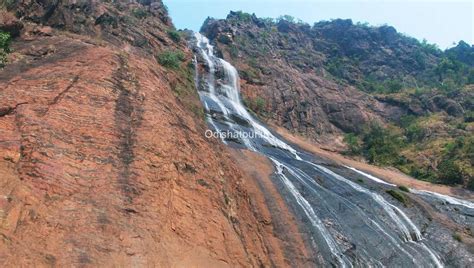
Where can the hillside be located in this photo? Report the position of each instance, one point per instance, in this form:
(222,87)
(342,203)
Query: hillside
(101,148)
(357,89)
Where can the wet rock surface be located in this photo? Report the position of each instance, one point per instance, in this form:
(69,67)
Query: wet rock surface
(347,219)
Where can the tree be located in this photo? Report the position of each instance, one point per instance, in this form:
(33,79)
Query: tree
(449,172)
(287,18)
(353,143)
(4,47)
(380,146)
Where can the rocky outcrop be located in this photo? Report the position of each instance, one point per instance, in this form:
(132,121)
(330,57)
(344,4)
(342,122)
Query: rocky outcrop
(324,80)
(102,149)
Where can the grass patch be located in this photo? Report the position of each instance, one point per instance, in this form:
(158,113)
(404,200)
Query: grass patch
(398,195)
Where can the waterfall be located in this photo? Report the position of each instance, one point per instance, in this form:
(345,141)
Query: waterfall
(386,229)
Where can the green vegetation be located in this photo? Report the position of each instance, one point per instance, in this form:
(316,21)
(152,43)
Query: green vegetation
(431,48)
(174,35)
(171,59)
(6,4)
(243,16)
(353,143)
(256,105)
(287,18)
(139,13)
(400,147)
(387,86)
(381,145)
(404,188)
(4,47)
(260,104)
(398,195)
(449,172)
(234,51)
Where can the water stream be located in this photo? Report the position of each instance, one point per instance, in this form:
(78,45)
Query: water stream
(350,224)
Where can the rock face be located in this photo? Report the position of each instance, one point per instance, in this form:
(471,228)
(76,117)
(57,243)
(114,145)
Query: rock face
(103,159)
(324,80)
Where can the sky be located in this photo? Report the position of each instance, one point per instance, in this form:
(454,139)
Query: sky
(439,22)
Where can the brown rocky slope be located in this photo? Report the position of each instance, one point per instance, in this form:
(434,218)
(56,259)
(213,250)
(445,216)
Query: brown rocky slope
(102,157)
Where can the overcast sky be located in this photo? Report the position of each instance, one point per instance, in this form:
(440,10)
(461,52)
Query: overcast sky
(440,22)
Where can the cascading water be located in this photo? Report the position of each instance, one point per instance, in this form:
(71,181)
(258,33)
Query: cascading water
(379,233)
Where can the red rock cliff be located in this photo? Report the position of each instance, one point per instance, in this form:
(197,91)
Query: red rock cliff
(103,161)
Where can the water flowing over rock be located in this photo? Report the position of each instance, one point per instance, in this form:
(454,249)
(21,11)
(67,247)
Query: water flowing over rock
(348,223)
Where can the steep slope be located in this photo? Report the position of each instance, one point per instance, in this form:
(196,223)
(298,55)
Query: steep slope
(342,84)
(351,218)
(102,148)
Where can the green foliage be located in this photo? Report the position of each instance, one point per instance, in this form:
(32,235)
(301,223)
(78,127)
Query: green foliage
(452,74)
(386,87)
(5,40)
(404,188)
(243,16)
(260,104)
(174,35)
(6,4)
(287,18)
(353,143)
(414,132)
(393,86)
(470,76)
(268,21)
(431,48)
(234,51)
(449,172)
(257,105)
(170,59)
(249,74)
(469,116)
(398,195)
(382,146)
(470,184)
(139,13)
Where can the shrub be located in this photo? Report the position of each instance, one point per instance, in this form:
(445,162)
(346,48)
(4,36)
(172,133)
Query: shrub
(243,16)
(4,47)
(415,132)
(469,116)
(353,143)
(381,146)
(287,18)
(260,104)
(404,188)
(449,172)
(470,184)
(234,51)
(170,59)
(174,35)
(397,195)
(139,13)
(393,86)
